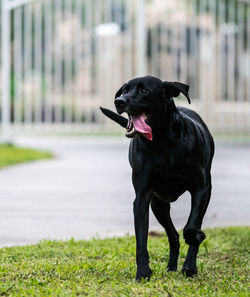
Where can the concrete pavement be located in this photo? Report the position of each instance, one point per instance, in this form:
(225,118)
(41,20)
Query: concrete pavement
(86,191)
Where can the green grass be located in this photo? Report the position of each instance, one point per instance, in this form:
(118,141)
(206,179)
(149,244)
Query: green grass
(107,267)
(10,155)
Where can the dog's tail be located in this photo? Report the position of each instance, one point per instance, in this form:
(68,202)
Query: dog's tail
(115,117)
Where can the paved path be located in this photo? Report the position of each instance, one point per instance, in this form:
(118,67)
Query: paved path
(86,191)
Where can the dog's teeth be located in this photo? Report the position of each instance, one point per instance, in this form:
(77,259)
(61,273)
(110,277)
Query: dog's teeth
(131,133)
(130,126)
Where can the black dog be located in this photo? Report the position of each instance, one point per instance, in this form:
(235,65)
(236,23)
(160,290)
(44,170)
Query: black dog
(171,152)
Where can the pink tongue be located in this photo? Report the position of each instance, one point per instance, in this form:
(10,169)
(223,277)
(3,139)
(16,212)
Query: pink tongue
(141,126)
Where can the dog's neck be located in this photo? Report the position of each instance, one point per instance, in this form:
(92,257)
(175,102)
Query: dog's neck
(167,123)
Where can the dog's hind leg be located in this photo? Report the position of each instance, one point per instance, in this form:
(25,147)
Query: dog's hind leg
(191,232)
(161,210)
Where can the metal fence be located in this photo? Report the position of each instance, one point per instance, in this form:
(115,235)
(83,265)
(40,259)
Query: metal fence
(62,59)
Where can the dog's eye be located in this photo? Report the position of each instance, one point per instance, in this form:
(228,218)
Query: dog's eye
(143,90)
(124,91)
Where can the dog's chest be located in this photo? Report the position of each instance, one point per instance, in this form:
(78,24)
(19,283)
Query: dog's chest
(167,165)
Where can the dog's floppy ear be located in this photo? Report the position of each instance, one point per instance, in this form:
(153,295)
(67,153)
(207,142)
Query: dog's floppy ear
(119,92)
(173,89)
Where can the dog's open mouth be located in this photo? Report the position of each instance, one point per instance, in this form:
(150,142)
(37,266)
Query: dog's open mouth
(137,124)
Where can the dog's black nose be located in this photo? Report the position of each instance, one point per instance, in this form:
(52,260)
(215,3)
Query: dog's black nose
(120,102)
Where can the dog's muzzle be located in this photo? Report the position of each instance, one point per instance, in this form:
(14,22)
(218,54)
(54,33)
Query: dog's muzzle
(120,104)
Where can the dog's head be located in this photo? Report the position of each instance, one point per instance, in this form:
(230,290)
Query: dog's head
(145,99)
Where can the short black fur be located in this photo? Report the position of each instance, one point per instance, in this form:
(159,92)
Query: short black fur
(178,159)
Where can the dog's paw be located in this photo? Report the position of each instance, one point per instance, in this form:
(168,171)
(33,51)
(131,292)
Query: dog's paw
(172,263)
(193,236)
(189,271)
(143,272)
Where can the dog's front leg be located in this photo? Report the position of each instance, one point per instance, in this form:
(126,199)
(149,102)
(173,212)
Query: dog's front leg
(141,218)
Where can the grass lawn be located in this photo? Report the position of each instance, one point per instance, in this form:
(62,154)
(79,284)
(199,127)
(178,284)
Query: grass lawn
(107,267)
(10,155)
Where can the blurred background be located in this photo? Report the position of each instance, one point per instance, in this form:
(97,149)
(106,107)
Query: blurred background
(62,59)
